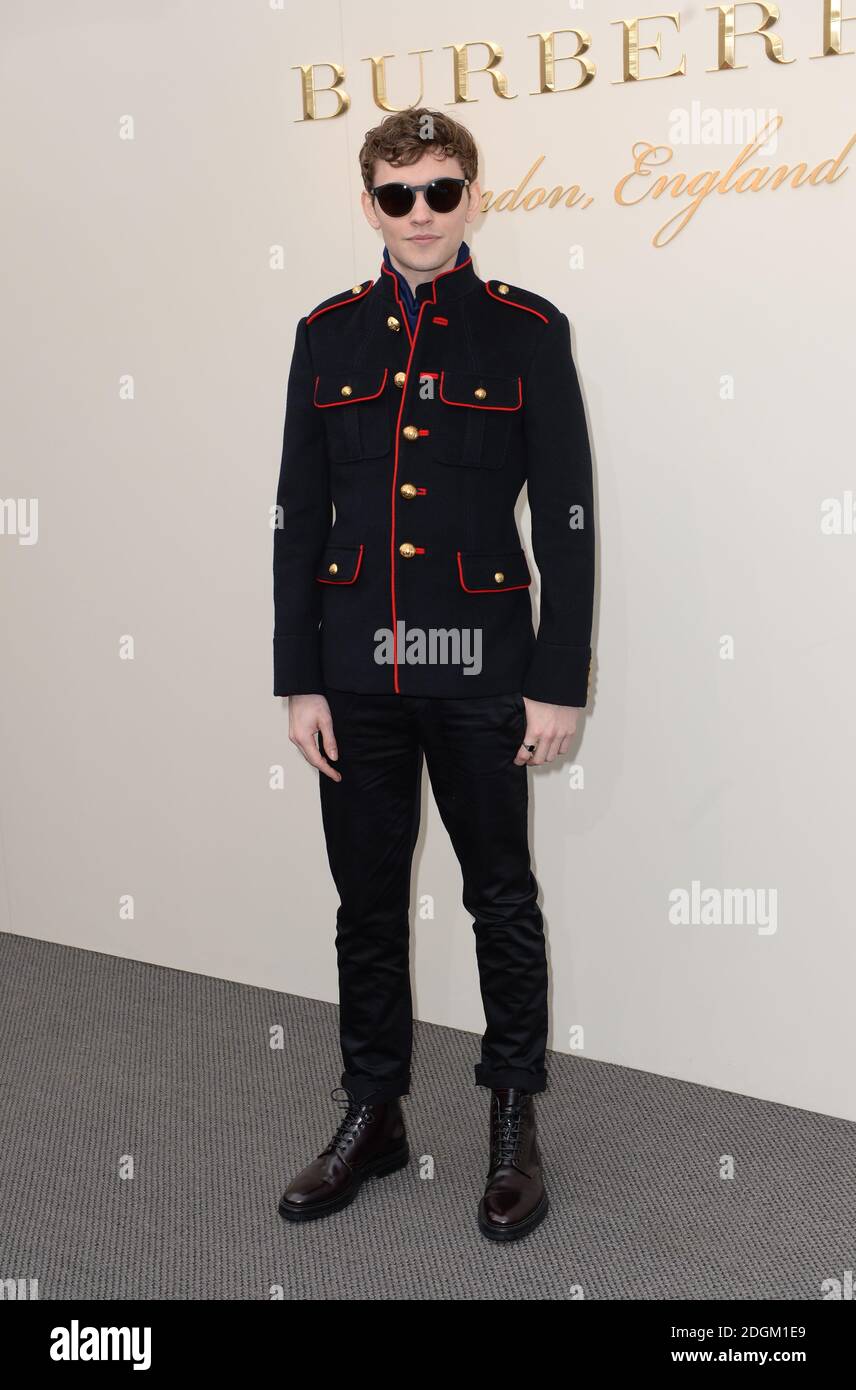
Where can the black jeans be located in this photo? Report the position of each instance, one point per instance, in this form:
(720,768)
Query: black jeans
(371,821)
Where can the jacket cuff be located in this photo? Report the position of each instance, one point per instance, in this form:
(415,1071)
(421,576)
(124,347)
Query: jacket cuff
(297,666)
(558,675)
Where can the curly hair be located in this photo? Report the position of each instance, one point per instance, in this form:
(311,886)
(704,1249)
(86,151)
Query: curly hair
(403,137)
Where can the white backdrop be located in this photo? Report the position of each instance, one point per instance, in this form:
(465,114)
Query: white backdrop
(149,322)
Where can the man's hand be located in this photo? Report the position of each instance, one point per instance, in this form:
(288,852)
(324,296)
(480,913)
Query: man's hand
(550,727)
(307,716)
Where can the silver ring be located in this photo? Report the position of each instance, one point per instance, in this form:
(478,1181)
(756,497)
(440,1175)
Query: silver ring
(530,747)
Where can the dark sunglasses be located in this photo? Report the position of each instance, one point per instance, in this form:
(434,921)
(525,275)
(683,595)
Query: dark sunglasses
(441,195)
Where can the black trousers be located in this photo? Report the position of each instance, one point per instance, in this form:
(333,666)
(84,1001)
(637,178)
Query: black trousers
(371,822)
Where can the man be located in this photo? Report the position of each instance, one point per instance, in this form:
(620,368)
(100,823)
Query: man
(418,405)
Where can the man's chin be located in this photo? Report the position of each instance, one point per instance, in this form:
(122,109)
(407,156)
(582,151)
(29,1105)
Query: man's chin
(425,255)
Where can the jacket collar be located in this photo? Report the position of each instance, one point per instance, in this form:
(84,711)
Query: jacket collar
(448,285)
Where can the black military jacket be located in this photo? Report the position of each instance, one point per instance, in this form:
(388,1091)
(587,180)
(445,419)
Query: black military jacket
(421,442)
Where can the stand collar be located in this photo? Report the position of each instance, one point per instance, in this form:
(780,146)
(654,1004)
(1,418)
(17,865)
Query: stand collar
(447,285)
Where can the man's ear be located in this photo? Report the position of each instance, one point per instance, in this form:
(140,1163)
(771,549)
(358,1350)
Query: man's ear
(368,210)
(475,193)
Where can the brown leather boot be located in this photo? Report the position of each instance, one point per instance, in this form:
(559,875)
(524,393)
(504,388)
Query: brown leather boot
(515,1199)
(369,1143)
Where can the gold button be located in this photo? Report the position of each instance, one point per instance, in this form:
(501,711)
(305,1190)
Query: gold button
(346,391)
(499,577)
(356,289)
(333,569)
(407,549)
(410,432)
(480,393)
(400,378)
(407,490)
(393,324)
(503,289)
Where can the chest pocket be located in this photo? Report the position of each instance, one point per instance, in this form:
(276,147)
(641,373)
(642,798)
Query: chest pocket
(356,412)
(474,411)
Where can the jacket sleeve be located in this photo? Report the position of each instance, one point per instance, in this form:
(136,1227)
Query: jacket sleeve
(561,506)
(301,527)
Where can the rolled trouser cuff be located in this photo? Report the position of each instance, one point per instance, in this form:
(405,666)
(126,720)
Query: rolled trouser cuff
(364,1088)
(507,1078)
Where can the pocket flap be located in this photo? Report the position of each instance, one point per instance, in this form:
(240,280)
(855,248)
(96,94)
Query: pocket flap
(340,564)
(347,388)
(481,390)
(494,571)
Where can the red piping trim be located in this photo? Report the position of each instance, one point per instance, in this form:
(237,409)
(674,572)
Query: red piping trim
(468,405)
(432,301)
(405,320)
(445,322)
(344,581)
(501,588)
(352,299)
(503,299)
(347,400)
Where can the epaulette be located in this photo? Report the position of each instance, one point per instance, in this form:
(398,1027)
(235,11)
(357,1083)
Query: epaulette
(343,297)
(519,298)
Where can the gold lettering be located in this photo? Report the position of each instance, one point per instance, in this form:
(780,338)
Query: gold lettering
(832,21)
(726,34)
(510,199)
(462,72)
(511,193)
(379,79)
(547,61)
(829,177)
(631,48)
(309,91)
(737,179)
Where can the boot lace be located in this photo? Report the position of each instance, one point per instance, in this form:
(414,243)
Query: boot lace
(357,1115)
(506,1135)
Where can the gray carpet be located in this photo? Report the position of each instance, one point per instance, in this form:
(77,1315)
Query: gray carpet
(104,1057)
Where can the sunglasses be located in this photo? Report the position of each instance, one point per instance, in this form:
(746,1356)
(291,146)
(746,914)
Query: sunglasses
(441,195)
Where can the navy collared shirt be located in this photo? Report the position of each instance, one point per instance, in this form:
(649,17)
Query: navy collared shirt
(408,299)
